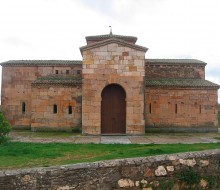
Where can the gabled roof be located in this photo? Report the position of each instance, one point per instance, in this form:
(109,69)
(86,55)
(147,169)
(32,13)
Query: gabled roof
(192,83)
(113,40)
(107,36)
(78,62)
(41,62)
(174,61)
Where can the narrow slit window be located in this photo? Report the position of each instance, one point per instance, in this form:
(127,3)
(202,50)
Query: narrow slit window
(70,109)
(150,108)
(175,108)
(56,71)
(200,109)
(23,107)
(54,108)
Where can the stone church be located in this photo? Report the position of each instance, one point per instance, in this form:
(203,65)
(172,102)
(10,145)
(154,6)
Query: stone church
(113,90)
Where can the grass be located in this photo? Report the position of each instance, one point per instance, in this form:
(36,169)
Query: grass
(23,155)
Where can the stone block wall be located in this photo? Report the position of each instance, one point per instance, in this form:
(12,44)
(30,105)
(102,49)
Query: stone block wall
(44,97)
(16,90)
(147,173)
(170,107)
(62,70)
(174,70)
(113,64)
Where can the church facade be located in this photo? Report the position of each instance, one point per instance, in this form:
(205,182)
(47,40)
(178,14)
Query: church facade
(113,90)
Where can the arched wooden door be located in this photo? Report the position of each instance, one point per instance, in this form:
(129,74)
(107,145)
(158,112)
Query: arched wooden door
(113,106)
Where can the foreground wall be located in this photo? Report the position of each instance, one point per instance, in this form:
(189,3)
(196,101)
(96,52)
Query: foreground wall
(187,108)
(154,172)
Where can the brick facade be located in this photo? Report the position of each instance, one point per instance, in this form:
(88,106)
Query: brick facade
(63,95)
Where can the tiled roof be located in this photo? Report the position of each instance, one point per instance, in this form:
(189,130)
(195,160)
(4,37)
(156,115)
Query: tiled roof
(78,62)
(174,61)
(197,83)
(40,62)
(54,80)
(107,36)
(113,40)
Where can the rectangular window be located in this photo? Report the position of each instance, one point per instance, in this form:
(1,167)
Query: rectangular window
(78,72)
(67,72)
(150,108)
(54,108)
(175,108)
(70,110)
(56,71)
(23,107)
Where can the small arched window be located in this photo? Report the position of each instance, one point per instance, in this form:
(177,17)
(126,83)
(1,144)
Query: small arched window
(54,108)
(175,108)
(23,107)
(70,109)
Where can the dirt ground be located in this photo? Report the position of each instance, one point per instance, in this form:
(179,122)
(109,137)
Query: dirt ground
(156,138)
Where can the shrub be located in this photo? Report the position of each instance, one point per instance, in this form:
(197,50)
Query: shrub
(78,128)
(5,128)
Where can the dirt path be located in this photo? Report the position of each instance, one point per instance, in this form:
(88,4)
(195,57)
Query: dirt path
(148,139)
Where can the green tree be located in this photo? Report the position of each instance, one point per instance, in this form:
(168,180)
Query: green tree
(5,128)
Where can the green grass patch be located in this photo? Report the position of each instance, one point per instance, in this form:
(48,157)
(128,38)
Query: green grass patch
(21,155)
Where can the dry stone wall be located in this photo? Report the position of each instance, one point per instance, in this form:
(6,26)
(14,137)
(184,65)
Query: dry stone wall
(189,108)
(200,170)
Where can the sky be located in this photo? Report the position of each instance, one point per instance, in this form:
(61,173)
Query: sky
(55,29)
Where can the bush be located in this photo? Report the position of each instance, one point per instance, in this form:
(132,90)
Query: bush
(5,128)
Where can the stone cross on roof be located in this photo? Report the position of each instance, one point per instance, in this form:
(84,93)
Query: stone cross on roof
(110,31)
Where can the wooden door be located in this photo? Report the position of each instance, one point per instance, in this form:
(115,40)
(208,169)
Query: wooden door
(113,108)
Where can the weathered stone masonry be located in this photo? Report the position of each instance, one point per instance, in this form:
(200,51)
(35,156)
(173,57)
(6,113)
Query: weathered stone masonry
(160,94)
(113,62)
(133,173)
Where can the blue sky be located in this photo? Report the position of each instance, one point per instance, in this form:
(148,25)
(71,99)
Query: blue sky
(55,29)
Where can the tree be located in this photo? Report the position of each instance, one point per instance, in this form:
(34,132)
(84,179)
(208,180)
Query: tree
(5,128)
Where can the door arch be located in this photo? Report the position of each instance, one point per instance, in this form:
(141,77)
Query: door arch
(113,110)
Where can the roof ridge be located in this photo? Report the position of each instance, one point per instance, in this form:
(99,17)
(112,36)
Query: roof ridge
(109,35)
(170,61)
(104,42)
(40,62)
